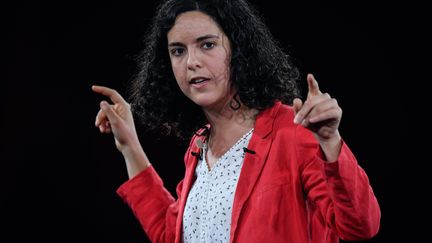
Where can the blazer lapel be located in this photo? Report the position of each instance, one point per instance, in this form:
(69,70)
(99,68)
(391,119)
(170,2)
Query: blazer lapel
(187,184)
(189,179)
(253,164)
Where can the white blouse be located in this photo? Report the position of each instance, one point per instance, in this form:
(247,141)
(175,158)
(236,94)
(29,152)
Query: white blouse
(207,215)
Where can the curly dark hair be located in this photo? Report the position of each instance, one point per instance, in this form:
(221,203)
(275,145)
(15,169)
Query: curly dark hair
(260,71)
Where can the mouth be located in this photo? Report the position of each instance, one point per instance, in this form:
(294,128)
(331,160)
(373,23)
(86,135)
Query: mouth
(198,80)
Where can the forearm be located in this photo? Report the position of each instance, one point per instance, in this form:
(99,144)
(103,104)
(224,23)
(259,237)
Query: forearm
(136,159)
(356,208)
(152,204)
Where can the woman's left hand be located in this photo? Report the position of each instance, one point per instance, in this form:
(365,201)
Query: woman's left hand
(321,114)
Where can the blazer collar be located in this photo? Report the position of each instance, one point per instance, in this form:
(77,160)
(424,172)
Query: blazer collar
(265,119)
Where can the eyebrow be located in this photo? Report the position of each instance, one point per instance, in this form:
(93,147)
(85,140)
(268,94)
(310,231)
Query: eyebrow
(199,39)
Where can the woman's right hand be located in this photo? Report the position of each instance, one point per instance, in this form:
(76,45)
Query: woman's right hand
(116,118)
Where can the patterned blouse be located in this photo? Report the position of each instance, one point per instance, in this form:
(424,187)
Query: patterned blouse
(207,215)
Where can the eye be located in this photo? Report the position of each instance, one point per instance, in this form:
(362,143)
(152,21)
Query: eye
(177,51)
(208,45)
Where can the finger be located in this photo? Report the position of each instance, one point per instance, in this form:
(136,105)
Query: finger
(103,125)
(112,116)
(312,85)
(100,118)
(332,114)
(104,129)
(317,114)
(107,127)
(297,105)
(111,93)
(308,106)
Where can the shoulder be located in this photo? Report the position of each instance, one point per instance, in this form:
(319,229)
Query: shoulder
(276,121)
(283,124)
(285,112)
(283,116)
(278,111)
(288,133)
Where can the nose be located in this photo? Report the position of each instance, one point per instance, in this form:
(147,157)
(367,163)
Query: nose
(193,61)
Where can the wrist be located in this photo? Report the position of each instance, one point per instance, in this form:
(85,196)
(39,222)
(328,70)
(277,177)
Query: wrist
(331,147)
(134,153)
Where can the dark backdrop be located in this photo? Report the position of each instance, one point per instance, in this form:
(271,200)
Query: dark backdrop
(59,175)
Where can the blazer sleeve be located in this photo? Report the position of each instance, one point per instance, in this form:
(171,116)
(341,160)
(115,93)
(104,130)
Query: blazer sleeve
(153,206)
(340,190)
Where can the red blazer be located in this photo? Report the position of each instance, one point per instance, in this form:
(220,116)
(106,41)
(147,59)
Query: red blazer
(286,191)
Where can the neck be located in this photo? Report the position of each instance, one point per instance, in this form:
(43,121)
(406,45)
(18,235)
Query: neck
(228,125)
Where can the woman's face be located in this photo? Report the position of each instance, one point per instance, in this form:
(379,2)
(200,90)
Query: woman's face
(200,57)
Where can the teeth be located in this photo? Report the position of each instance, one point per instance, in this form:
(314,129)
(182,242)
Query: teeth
(197,81)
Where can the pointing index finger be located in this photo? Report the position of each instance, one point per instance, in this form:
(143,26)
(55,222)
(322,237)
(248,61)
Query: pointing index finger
(313,85)
(111,93)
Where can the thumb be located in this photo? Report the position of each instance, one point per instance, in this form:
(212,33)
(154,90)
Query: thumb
(297,104)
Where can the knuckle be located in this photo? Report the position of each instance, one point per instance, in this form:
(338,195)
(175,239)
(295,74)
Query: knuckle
(301,113)
(115,93)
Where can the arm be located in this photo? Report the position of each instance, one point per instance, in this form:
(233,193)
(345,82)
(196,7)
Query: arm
(331,176)
(117,118)
(145,194)
(340,190)
(152,204)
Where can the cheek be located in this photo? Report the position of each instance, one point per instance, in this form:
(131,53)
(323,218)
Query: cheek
(221,72)
(179,73)
(220,64)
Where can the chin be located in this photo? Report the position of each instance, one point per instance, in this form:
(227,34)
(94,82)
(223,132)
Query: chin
(209,99)
(204,102)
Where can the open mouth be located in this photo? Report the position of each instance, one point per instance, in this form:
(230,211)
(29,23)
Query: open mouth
(198,80)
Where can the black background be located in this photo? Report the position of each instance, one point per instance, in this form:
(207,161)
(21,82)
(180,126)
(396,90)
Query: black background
(58,174)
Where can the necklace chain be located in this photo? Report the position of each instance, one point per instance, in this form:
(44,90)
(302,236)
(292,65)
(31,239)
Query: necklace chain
(205,145)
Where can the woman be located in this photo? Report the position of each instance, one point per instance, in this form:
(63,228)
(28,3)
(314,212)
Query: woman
(257,169)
